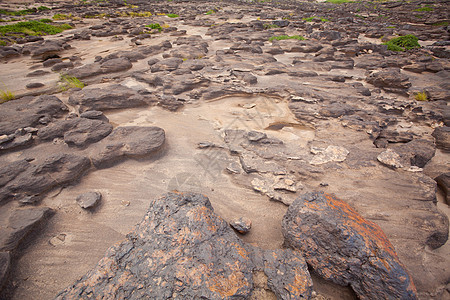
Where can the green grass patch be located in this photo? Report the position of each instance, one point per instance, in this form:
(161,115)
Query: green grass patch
(154,26)
(62,17)
(425,8)
(46,21)
(287,37)
(443,23)
(210,12)
(42,8)
(338,1)
(70,82)
(172,15)
(3,43)
(310,19)
(403,43)
(33,28)
(17,13)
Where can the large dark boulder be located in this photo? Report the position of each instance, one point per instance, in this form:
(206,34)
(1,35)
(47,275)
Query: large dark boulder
(442,136)
(183,250)
(129,141)
(343,247)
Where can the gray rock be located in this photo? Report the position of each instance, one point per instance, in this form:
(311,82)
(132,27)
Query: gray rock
(242,224)
(170,64)
(330,154)
(390,79)
(131,142)
(27,112)
(20,138)
(78,132)
(37,73)
(113,96)
(20,223)
(89,200)
(44,49)
(417,152)
(182,249)
(85,71)
(115,65)
(390,158)
(34,85)
(255,136)
(343,247)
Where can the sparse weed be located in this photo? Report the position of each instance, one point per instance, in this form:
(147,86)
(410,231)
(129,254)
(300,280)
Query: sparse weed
(311,19)
(172,15)
(425,8)
(69,82)
(210,12)
(62,17)
(268,26)
(6,95)
(421,96)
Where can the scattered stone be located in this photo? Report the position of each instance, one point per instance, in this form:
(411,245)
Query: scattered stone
(343,247)
(89,200)
(255,136)
(182,249)
(390,158)
(242,224)
(330,154)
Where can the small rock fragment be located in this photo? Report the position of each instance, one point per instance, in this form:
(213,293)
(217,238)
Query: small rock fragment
(242,225)
(89,200)
(390,159)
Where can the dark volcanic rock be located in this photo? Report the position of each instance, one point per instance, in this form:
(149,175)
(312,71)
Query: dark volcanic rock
(442,136)
(170,64)
(109,97)
(182,249)
(25,179)
(20,223)
(343,247)
(242,225)
(390,79)
(89,200)
(79,131)
(44,49)
(27,112)
(116,65)
(131,141)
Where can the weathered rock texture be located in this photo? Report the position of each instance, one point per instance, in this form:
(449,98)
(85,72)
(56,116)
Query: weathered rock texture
(343,247)
(182,249)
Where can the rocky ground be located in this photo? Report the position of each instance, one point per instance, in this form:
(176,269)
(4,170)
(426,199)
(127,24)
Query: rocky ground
(328,154)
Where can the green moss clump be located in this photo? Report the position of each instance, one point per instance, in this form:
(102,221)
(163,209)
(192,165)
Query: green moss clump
(154,26)
(287,37)
(338,1)
(403,43)
(172,15)
(310,19)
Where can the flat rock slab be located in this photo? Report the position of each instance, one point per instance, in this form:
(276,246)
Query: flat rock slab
(343,247)
(29,112)
(78,132)
(89,199)
(113,96)
(127,141)
(182,249)
(24,179)
(20,223)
